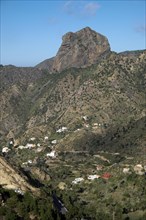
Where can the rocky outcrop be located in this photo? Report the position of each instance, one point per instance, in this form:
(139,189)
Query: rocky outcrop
(80,49)
(41,175)
(11,179)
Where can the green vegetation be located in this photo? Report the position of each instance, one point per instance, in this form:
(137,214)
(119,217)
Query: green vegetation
(121,196)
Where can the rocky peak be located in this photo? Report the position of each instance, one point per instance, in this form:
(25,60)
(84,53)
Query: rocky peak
(80,49)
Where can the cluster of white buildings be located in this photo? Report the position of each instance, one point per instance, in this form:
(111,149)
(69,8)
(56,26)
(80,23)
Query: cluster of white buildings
(19,191)
(28,162)
(27,146)
(90,177)
(138,169)
(60,130)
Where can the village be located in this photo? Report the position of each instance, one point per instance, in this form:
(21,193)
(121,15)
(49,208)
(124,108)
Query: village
(87,176)
(98,166)
(90,177)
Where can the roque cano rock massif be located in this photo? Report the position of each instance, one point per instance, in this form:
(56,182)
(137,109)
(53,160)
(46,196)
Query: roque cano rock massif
(79,49)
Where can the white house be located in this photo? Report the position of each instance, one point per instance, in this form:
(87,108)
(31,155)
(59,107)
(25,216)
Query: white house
(138,169)
(5,150)
(85,117)
(99,167)
(39,149)
(24,163)
(78,180)
(126,170)
(59,130)
(52,154)
(32,139)
(11,142)
(28,145)
(92,177)
(21,147)
(28,162)
(46,138)
(54,142)
(63,129)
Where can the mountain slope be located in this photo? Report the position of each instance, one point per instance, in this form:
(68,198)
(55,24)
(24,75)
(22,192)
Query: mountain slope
(111,92)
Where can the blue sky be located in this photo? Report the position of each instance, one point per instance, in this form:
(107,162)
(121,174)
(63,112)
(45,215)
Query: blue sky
(31,31)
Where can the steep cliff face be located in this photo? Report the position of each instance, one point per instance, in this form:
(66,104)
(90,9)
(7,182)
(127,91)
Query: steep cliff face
(80,49)
(10,179)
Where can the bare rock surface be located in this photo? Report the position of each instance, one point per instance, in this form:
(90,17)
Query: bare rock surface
(80,49)
(11,179)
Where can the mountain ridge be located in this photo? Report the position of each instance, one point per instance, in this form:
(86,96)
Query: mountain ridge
(30,93)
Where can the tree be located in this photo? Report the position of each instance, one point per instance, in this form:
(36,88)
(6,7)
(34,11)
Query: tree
(11,215)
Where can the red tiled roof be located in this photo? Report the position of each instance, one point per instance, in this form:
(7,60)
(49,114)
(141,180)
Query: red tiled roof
(106,176)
